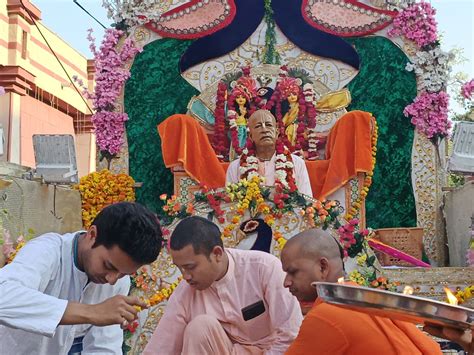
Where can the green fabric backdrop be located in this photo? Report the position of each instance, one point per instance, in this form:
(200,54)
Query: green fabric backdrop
(383,87)
(154,92)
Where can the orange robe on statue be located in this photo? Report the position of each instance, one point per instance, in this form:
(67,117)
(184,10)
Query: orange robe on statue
(348,152)
(328,329)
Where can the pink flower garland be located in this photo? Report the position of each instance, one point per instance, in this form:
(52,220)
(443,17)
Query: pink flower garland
(429,113)
(306,116)
(110,78)
(467,89)
(347,234)
(219,139)
(416,23)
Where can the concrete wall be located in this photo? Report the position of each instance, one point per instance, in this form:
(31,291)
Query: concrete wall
(458,209)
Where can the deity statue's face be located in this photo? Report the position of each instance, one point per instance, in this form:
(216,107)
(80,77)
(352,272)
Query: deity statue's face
(292,98)
(240,100)
(262,129)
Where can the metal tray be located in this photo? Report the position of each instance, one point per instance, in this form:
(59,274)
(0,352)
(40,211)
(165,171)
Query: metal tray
(395,306)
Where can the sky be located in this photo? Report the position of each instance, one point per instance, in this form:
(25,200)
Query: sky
(455,24)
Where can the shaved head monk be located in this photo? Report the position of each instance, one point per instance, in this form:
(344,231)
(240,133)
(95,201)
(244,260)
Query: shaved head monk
(314,255)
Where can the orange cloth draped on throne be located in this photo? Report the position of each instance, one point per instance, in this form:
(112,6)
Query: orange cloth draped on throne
(348,152)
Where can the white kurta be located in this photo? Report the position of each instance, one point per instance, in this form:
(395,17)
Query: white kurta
(299,170)
(34,291)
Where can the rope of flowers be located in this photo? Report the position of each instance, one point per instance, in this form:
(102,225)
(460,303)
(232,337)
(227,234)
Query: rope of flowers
(156,298)
(296,82)
(218,139)
(355,206)
(429,110)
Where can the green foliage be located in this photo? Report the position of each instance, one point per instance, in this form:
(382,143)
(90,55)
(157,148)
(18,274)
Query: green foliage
(154,92)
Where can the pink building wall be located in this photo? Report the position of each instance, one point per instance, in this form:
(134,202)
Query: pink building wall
(40,118)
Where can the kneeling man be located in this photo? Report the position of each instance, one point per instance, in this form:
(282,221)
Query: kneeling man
(233,301)
(314,255)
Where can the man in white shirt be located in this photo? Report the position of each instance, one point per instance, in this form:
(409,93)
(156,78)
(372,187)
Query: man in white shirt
(229,302)
(263,133)
(72,288)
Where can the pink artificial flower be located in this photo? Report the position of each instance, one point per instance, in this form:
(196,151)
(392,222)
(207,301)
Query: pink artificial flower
(417,23)
(111,76)
(429,113)
(354,221)
(468,89)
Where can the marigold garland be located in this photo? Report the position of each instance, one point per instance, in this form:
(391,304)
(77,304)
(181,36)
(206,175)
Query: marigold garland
(355,206)
(102,188)
(251,195)
(141,281)
(380,282)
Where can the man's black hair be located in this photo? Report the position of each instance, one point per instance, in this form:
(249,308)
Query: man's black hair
(199,232)
(133,228)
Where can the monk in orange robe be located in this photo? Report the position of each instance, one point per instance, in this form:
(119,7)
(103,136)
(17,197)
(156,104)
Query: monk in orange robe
(314,255)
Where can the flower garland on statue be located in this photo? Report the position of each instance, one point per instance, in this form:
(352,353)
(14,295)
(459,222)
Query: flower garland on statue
(245,87)
(304,124)
(284,179)
(251,195)
(219,138)
(429,110)
(100,189)
(229,89)
(111,75)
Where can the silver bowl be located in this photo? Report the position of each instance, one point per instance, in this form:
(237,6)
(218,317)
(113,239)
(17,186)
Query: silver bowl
(395,306)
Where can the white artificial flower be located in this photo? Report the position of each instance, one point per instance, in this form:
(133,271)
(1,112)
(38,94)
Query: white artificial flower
(132,12)
(432,69)
(252,174)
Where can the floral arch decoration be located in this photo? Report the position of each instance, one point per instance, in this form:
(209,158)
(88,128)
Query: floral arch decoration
(414,29)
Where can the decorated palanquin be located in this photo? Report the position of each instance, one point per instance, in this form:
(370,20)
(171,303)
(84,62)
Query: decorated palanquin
(339,147)
(207,65)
